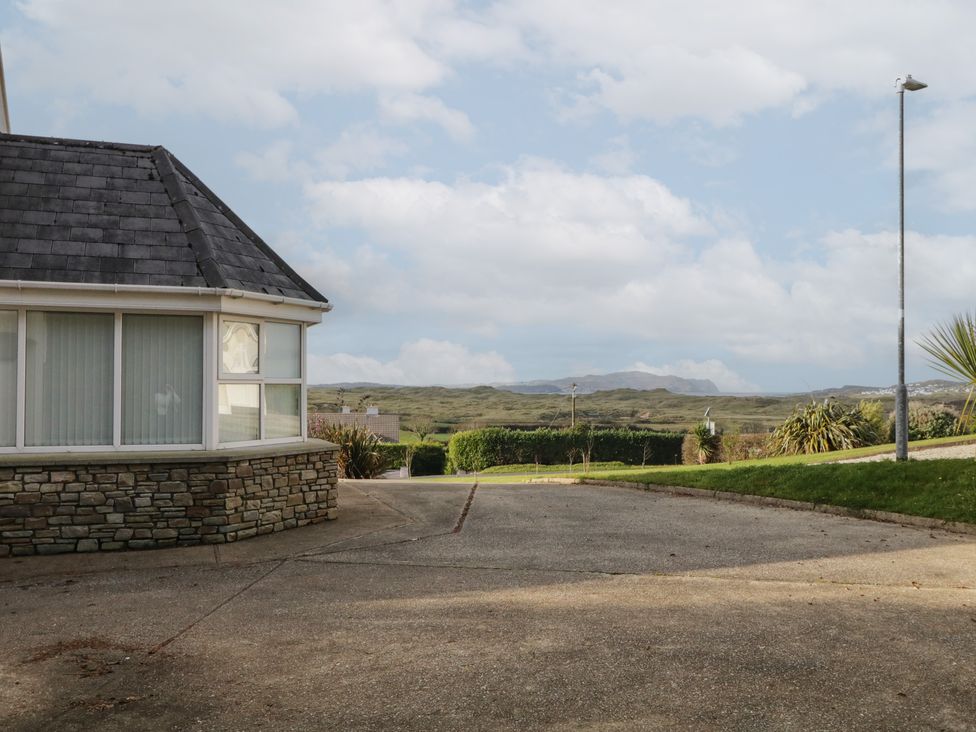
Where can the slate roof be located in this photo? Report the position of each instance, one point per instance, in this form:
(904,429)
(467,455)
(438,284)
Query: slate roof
(110,213)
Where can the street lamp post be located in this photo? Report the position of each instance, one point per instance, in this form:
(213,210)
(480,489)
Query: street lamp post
(901,395)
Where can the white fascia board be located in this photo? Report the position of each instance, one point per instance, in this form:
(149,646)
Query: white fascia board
(135,298)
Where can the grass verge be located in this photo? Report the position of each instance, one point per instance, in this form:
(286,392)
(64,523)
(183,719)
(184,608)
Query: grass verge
(545,469)
(939,489)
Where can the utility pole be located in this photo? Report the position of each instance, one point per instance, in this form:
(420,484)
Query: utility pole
(572,422)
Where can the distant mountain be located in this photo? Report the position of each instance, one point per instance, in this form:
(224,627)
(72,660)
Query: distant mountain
(591,383)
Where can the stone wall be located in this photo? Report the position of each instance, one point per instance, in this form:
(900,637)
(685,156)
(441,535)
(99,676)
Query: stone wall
(56,506)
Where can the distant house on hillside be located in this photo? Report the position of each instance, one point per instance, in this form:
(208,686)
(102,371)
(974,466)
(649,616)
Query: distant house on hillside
(384,426)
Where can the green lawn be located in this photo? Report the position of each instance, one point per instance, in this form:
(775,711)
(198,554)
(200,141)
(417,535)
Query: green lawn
(533,468)
(941,489)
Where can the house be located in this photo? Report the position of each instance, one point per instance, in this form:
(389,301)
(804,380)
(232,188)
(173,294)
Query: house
(152,359)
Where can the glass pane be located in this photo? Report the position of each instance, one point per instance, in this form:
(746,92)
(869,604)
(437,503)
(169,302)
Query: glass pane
(283,357)
(283,410)
(240,347)
(8,378)
(239,409)
(162,380)
(69,378)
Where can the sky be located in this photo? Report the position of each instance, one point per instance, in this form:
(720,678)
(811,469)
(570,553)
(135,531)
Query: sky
(529,189)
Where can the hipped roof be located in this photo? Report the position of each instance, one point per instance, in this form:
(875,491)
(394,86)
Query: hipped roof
(110,213)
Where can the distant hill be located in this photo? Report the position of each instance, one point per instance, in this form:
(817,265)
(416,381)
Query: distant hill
(593,383)
(930,388)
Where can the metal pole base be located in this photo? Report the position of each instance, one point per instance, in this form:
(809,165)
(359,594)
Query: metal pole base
(901,422)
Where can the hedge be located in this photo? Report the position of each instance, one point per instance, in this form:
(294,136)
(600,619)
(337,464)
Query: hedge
(485,448)
(429,458)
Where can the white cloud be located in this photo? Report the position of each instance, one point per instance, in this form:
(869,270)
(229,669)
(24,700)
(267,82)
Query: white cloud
(421,362)
(721,61)
(274,164)
(406,108)
(545,248)
(232,60)
(618,159)
(717,372)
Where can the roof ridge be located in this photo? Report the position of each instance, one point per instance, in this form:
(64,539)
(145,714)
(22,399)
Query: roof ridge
(200,242)
(256,240)
(100,144)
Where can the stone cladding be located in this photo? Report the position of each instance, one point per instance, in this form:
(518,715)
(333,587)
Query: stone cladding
(59,506)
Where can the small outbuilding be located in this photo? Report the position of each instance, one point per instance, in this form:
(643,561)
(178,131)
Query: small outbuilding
(152,359)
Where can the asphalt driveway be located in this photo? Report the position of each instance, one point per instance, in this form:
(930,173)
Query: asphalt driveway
(435,607)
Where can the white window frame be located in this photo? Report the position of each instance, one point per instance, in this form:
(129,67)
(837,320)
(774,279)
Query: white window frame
(212,366)
(261,380)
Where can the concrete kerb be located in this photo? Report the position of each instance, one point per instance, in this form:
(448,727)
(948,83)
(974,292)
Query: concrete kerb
(888,517)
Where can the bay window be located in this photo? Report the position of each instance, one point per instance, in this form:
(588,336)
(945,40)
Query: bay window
(127,380)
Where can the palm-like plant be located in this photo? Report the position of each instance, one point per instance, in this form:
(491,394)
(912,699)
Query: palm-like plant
(822,427)
(359,455)
(952,350)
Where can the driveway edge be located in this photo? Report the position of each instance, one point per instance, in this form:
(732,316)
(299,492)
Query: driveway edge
(888,517)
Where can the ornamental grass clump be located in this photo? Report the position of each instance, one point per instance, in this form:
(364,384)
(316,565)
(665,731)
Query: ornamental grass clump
(359,452)
(823,427)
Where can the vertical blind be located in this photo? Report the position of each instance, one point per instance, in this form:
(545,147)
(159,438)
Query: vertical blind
(162,380)
(69,378)
(8,378)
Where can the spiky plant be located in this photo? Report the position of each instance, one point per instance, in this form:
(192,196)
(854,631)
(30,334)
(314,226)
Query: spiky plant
(705,443)
(952,350)
(822,427)
(359,456)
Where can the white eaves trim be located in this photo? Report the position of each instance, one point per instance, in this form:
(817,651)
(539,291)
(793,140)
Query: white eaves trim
(28,293)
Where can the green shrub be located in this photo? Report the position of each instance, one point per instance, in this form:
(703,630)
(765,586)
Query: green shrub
(484,448)
(926,421)
(359,448)
(873,412)
(822,427)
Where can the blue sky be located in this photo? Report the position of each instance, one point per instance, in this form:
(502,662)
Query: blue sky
(525,189)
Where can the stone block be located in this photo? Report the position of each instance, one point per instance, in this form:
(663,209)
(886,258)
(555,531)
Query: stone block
(62,476)
(92,498)
(87,545)
(141,544)
(11,486)
(74,532)
(182,499)
(127,479)
(244,471)
(37,478)
(55,548)
(164,534)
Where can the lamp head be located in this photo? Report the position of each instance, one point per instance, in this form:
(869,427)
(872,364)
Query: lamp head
(913,84)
